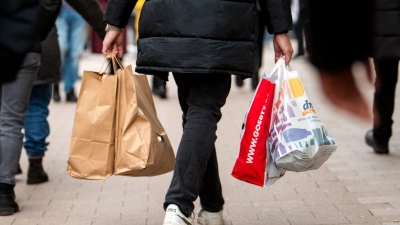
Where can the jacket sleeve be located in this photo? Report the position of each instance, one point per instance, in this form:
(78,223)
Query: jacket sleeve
(338,32)
(277,15)
(91,11)
(118,12)
(49,10)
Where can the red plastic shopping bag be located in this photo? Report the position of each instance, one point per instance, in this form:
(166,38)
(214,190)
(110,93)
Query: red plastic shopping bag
(251,163)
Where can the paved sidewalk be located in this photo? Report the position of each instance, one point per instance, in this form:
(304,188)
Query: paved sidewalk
(355,186)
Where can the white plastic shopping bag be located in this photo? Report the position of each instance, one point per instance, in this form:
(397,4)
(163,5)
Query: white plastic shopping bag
(298,140)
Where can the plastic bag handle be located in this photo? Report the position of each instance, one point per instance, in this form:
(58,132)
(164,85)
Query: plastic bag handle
(278,65)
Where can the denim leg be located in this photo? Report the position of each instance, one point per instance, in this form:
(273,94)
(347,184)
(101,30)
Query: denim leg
(385,87)
(77,36)
(14,102)
(72,36)
(201,97)
(62,31)
(37,128)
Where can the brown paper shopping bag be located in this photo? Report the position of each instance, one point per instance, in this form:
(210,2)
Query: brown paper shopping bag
(92,146)
(142,145)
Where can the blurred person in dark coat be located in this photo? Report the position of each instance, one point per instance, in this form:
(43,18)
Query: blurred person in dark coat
(298,28)
(37,128)
(202,43)
(19,21)
(386,56)
(373,32)
(14,96)
(334,53)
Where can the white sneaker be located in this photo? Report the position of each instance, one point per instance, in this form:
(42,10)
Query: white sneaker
(173,216)
(209,218)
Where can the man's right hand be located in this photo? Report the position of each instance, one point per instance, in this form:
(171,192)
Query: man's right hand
(113,44)
(282,47)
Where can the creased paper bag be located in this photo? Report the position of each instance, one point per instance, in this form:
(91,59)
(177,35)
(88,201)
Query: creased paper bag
(142,145)
(92,146)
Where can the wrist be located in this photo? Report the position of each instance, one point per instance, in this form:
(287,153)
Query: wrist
(111,27)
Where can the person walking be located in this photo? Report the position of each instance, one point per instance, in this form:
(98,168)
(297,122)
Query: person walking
(374,32)
(72,36)
(386,56)
(14,98)
(298,27)
(333,54)
(202,43)
(37,128)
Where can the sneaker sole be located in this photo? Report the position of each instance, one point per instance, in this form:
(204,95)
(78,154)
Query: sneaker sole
(202,221)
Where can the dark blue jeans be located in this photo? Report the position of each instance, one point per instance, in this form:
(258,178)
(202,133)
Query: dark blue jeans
(36,125)
(385,88)
(201,97)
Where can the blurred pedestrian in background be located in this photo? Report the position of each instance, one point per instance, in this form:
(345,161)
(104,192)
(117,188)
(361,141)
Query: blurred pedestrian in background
(19,21)
(14,97)
(202,43)
(386,56)
(37,128)
(298,26)
(374,32)
(72,37)
(333,53)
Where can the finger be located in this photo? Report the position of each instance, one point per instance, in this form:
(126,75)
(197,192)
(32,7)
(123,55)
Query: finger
(288,58)
(106,49)
(120,50)
(109,55)
(288,52)
(115,50)
(278,55)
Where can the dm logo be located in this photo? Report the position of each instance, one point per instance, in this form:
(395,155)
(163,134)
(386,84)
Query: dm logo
(308,108)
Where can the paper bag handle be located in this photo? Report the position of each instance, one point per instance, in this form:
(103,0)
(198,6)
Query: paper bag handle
(114,60)
(108,64)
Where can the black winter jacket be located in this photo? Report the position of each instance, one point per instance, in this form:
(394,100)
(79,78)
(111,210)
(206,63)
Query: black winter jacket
(386,29)
(19,21)
(200,36)
(49,10)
